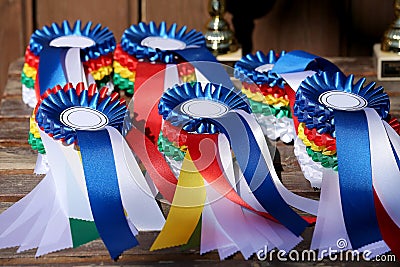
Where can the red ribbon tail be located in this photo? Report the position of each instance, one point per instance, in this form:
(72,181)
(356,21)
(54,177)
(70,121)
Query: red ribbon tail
(154,163)
(389,230)
(149,87)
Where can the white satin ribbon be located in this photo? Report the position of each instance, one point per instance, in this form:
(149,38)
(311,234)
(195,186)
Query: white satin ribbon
(37,220)
(75,72)
(136,195)
(42,164)
(65,164)
(385,172)
(308,205)
(294,79)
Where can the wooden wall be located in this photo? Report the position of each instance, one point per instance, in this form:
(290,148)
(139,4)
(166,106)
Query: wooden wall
(326,28)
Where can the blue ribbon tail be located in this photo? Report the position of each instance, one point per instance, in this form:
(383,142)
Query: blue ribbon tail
(355,178)
(257,173)
(199,57)
(298,60)
(103,190)
(51,70)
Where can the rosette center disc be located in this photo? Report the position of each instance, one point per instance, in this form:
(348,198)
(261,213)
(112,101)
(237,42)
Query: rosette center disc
(264,68)
(156,42)
(342,100)
(72,41)
(83,118)
(203,108)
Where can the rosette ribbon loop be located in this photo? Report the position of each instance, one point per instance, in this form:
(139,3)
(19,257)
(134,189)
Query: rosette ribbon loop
(94,186)
(256,68)
(268,94)
(213,119)
(368,171)
(159,48)
(295,66)
(63,49)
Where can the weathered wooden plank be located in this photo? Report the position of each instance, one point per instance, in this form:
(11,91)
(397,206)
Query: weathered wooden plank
(14,130)
(13,89)
(11,36)
(15,186)
(17,158)
(13,107)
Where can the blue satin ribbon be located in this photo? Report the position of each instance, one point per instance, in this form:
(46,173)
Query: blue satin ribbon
(97,159)
(298,60)
(199,58)
(51,68)
(51,64)
(256,171)
(103,190)
(355,180)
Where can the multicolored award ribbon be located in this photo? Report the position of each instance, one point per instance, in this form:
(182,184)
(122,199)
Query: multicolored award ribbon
(356,151)
(209,121)
(267,93)
(294,67)
(61,53)
(94,186)
(146,50)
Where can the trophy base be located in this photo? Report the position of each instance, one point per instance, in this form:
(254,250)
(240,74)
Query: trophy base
(387,64)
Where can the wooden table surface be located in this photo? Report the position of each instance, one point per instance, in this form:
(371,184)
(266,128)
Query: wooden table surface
(17,161)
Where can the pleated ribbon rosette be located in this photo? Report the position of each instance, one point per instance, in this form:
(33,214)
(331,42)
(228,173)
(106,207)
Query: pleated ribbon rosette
(73,53)
(58,54)
(228,206)
(150,43)
(94,186)
(267,93)
(345,145)
(149,56)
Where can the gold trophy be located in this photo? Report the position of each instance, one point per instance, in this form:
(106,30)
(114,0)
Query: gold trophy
(219,38)
(387,54)
(391,37)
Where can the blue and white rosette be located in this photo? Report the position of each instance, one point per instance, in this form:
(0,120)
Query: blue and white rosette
(354,198)
(267,93)
(94,186)
(63,50)
(214,109)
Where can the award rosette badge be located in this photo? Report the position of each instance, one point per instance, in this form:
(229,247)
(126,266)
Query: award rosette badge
(59,54)
(228,206)
(267,94)
(94,187)
(344,141)
(150,56)
(77,53)
(149,43)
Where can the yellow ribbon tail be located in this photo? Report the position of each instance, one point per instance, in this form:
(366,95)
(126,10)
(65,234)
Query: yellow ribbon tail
(186,209)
